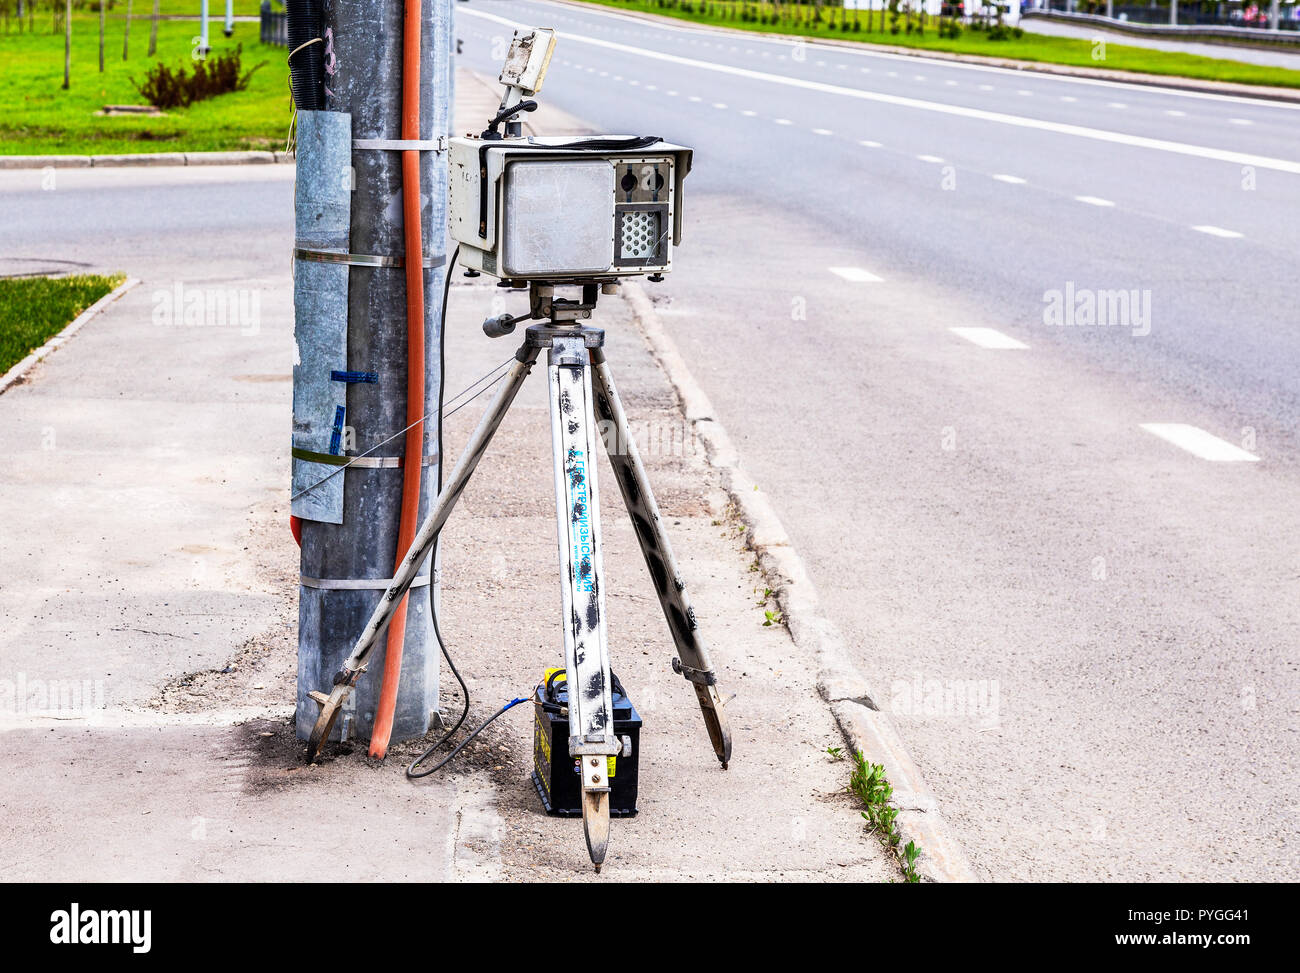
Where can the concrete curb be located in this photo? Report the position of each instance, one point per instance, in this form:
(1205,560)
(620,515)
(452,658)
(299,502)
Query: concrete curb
(845,690)
(143,159)
(19,371)
(1175,82)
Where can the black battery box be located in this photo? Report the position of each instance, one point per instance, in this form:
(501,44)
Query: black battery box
(556,774)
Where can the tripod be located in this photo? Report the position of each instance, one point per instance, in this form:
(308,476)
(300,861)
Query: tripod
(581,391)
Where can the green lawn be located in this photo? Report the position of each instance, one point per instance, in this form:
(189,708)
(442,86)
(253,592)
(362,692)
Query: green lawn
(38,117)
(1030,47)
(35,309)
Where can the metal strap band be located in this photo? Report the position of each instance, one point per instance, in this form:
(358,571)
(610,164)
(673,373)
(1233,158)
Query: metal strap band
(359,259)
(701,677)
(403,145)
(360,462)
(356,584)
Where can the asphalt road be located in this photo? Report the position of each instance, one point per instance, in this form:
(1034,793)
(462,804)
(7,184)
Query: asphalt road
(1087,632)
(1102,624)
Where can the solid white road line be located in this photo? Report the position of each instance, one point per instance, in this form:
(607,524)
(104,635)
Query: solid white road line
(856,275)
(1001,118)
(1218,231)
(1094,200)
(989,338)
(678,28)
(1199,442)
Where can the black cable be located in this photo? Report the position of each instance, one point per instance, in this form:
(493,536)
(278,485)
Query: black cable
(415,775)
(411,772)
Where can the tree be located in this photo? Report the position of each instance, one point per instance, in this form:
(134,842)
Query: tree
(67,44)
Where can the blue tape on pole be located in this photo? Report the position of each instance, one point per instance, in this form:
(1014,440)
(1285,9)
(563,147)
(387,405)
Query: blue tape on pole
(336,437)
(370,378)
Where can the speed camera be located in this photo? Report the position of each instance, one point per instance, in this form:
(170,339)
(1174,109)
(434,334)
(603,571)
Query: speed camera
(558,208)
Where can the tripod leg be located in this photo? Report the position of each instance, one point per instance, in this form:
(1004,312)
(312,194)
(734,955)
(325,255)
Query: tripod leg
(693,662)
(586,647)
(346,677)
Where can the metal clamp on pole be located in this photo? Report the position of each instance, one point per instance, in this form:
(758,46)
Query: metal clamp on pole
(701,677)
(360,259)
(403,145)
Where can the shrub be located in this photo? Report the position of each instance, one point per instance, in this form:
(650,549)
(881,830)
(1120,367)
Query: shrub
(165,87)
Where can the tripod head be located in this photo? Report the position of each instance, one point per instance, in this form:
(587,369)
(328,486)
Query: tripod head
(545,306)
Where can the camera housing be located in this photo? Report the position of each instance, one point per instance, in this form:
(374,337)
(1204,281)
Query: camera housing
(564,208)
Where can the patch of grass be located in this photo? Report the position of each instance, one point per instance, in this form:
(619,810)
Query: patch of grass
(35,309)
(835,22)
(869,784)
(37,117)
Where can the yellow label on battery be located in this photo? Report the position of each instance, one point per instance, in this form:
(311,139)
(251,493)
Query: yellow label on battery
(609,767)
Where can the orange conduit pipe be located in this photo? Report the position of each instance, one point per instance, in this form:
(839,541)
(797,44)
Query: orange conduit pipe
(413,454)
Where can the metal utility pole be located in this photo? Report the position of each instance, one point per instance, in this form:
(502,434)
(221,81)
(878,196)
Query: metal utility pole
(203,30)
(1173,12)
(1273,15)
(356,558)
(229,28)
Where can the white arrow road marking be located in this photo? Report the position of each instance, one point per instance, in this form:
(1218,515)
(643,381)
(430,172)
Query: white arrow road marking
(1199,442)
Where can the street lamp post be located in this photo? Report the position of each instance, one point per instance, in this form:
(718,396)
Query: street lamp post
(229,29)
(203,30)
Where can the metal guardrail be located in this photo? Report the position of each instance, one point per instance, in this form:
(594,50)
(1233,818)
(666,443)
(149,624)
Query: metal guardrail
(1288,36)
(275,26)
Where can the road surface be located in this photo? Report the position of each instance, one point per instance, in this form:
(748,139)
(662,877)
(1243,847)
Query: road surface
(1085,628)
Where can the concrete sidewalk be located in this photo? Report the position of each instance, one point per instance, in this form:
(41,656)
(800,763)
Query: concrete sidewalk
(148,567)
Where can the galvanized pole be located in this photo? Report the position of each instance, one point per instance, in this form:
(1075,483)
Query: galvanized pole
(203,29)
(363,77)
(229,28)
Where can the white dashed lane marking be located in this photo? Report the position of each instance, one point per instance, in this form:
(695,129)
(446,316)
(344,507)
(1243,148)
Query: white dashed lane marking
(1013,180)
(1200,443)
(856,275)
(1094,200)
(1217,231)
(989,338)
